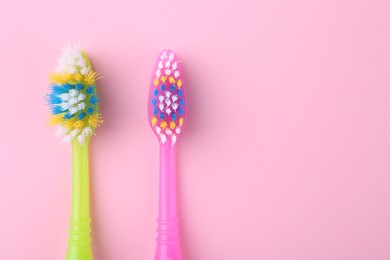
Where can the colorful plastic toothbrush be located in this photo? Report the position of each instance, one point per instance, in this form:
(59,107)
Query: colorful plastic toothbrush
(74,106)
(166,112)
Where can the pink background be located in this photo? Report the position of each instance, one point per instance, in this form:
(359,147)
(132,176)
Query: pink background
(286,154)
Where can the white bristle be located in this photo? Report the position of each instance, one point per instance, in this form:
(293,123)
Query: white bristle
(64,96)
(160,64)
(161,106)
(174,106)
(168,102)
(74,132)
(87,131)
(174,65)
(167,94)
(64,106)
(163,138)
(73,101)
(71,70)
(81,97)
(68,138)
(168,131)
(81,138)
(84,71)
(73,110)
(71,51)
(174,138)
(171,56)
(73,93)
(60,69)
(168,111)
(177,130)
(81,106)
(61,130)
(161,98)
(174,98)
(167,64)
(63,60)
(158,129)
(72,61)
(158,73)
(168,72)
(176,74)
(164,55)
(81,63)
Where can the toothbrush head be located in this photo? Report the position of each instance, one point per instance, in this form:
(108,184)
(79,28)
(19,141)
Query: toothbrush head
(73,99)
(167,102)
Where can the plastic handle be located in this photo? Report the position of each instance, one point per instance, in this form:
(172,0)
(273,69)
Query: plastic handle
(79,243)
(168,243)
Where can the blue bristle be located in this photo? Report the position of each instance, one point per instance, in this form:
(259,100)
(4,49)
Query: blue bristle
(180,92)
(182,102)
(173,115)
(68,116)
(180,112)
(154,101)
(54,99)
(173,87)
(57,110)
(67,86)
(90,89)
(93,100)
(90,110)
(79,86)
(155,111)
(163,87)
(162,115)
(81,116)
(58,90)
(155,92)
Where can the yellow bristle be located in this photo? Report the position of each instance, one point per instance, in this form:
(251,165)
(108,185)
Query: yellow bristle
(60,78)
(171,80)
(172,125)
(179,83)
(69,123)
(54,120)
(78,77)
(95,120)
(154,121)
(91,78)
(181,121)
(156,82)
(163,125)
(163,79)
(78,124)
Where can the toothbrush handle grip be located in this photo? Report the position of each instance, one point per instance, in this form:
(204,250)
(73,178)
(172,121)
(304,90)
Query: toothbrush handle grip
(168,242)
(79,243)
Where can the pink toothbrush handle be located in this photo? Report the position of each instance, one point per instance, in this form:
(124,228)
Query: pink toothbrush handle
(168,246)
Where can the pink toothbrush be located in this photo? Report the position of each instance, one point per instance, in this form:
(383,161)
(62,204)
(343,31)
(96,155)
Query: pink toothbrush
(166,112)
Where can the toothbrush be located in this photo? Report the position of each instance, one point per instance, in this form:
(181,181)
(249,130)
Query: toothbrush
(166,113)
(74,107)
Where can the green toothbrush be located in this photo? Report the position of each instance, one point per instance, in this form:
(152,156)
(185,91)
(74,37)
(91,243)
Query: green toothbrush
(74,106)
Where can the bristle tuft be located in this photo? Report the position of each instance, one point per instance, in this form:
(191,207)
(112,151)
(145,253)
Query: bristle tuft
(167,105)
(73,99)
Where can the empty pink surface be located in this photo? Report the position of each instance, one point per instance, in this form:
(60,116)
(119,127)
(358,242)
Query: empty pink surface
(285,154)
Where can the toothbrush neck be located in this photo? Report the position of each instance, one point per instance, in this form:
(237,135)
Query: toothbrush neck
(168,241)
(80,181)
(79,243)
(167,202)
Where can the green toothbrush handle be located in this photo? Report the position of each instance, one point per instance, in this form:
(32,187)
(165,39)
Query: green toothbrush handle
(79,244)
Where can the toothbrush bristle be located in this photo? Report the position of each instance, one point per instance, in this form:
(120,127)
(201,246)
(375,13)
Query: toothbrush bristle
(73,99)
(166,104)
